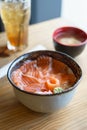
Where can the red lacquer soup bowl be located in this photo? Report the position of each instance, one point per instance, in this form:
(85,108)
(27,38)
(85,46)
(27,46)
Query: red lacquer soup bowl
(70,40)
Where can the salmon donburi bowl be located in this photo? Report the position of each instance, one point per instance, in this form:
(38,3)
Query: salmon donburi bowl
(44,81)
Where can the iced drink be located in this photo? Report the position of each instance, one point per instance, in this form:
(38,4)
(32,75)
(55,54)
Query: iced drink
(16,16)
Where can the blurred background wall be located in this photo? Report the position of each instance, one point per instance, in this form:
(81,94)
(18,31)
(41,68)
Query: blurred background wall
(75,11)
(72,10)
(42,10)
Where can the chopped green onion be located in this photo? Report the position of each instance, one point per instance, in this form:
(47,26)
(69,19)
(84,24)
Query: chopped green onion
(57,90)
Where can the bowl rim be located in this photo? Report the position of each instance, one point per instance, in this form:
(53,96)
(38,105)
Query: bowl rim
(37,94)
(69,28)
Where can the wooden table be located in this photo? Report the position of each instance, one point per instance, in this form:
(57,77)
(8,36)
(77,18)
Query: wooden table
(15,116)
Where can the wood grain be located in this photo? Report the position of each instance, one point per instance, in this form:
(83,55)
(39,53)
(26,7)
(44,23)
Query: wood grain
(15,116)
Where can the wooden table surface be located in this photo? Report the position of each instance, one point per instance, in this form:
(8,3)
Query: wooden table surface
(15,116)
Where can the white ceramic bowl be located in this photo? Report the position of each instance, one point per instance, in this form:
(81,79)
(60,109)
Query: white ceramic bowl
(45,103)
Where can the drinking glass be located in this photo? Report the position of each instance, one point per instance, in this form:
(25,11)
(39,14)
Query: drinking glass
(15,15)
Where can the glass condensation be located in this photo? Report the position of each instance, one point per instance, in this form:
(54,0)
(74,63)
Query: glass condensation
(15,15)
